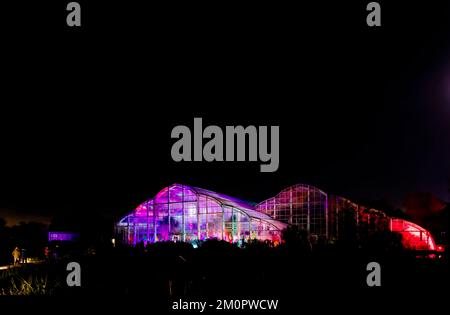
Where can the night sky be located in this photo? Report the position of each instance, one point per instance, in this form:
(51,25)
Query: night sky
(86,114)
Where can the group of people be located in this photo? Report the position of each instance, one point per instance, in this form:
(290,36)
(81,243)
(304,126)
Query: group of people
(18,256)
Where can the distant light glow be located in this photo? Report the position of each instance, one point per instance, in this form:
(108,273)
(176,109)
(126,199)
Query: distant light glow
(191,214)
(62,236)
(447,85)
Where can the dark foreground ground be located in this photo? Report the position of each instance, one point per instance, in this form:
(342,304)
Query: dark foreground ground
(330,278)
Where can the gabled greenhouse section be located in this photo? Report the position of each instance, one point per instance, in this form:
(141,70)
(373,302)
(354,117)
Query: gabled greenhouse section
(302,205)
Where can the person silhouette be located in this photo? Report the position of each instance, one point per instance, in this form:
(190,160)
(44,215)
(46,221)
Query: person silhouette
(16,255)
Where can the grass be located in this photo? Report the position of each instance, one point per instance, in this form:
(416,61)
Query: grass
(23,283)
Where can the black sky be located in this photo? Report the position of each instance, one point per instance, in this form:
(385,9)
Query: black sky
(87,114)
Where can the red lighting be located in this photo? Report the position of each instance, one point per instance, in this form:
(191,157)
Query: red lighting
(414,236)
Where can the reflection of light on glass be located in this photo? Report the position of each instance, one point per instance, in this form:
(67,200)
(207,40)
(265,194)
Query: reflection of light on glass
(413,236)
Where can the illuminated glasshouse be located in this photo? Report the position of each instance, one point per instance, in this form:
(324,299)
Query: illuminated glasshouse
(413,236)
(301,205)
(349,220)
(184,213)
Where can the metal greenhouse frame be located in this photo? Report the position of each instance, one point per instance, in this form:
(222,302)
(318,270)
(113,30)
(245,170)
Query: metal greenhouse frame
(184,213)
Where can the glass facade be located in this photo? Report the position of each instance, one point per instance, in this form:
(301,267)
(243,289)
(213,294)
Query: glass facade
(301,205)
(184,213)
(343,217)
(414,237)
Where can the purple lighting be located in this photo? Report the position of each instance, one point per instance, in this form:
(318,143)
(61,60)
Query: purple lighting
(184,213)
(188,214)
(62,236)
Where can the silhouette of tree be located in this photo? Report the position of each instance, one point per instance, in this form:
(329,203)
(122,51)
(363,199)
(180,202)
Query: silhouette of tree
(2,223)
(296,239)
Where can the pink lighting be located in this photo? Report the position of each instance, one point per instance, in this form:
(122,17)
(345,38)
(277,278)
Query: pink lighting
(184,213)
(414,236)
